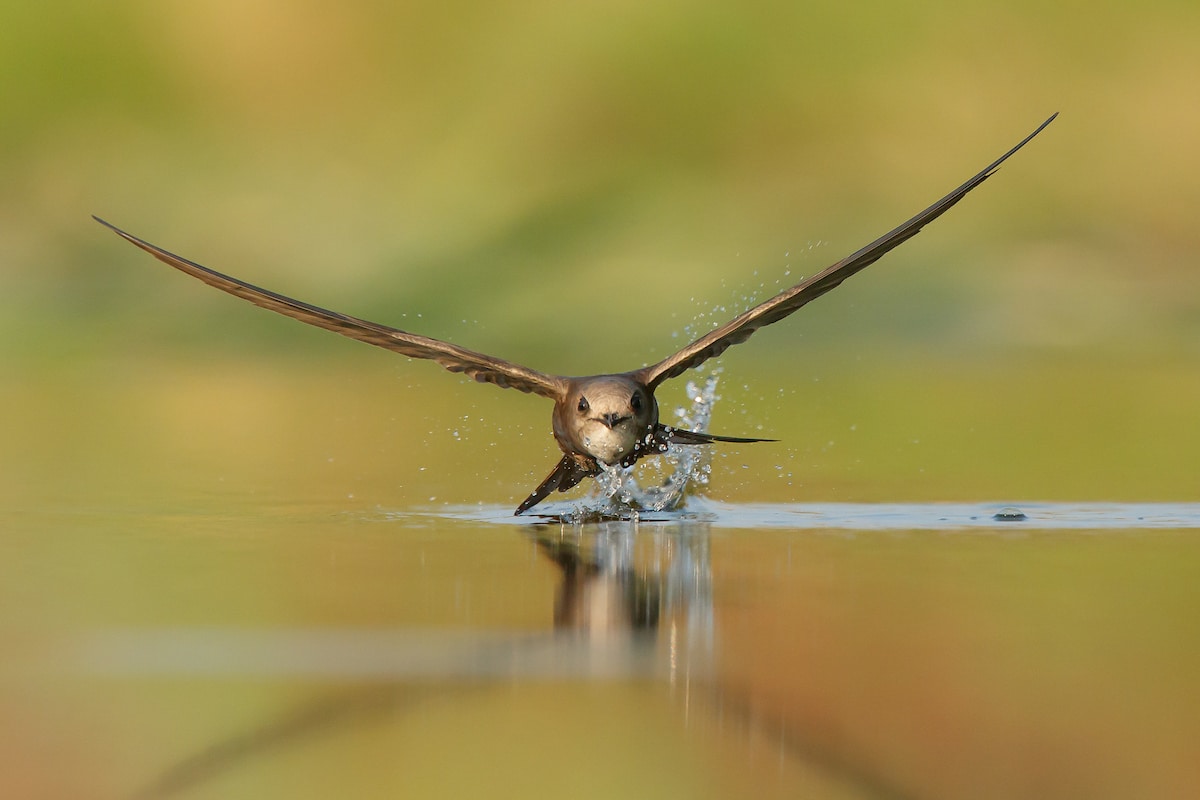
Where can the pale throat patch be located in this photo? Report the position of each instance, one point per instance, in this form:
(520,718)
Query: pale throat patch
(607,445)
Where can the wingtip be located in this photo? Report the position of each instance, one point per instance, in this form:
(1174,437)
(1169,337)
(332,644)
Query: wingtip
(531,501)
(108,225)
(995,165)
(129,237)
(1049,119)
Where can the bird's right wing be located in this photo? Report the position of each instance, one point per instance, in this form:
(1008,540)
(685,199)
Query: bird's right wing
(781,305)
(483,368)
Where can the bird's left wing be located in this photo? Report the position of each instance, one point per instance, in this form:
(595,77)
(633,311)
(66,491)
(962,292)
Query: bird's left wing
(481,367)
(739,329)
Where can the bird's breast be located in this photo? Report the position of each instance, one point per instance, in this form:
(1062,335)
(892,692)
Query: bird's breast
(608,445)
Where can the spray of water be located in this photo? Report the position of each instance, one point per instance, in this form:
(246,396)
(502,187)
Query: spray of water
(662,483)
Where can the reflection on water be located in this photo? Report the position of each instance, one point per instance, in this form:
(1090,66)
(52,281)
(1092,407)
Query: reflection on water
(322,718)
(617,586)
(815,639)
(629,605)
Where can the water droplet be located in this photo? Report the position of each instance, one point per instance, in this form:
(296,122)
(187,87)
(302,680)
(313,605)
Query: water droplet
(1009,514)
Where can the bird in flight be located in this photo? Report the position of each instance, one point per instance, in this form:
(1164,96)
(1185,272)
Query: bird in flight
(599,421)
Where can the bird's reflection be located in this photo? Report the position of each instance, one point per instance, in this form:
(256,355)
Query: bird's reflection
(632,600)
(601,592)
(616,576)
(634,594)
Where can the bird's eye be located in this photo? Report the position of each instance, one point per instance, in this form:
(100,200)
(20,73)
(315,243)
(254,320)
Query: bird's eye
(635,402)
(583,405)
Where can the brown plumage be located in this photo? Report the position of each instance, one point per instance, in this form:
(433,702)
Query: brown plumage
(599,420)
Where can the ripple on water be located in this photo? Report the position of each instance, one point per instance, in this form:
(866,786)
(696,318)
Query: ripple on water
(865,516)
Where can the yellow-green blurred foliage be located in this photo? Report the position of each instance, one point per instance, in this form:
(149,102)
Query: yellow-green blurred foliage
(579,186)
(441,158)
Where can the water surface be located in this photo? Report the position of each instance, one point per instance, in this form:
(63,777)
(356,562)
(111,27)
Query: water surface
(232,581)
(826,650)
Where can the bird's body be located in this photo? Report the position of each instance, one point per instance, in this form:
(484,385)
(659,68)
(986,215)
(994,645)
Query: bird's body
(612,413)
(599,421)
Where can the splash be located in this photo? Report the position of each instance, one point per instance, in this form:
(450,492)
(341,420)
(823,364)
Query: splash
(662,483)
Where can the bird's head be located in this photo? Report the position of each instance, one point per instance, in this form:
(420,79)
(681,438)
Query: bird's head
(606,416)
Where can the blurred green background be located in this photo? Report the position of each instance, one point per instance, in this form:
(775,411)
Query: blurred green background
(581,186)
